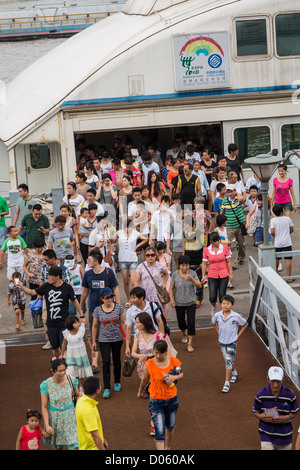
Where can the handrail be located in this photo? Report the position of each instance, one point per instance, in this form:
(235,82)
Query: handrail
(68,17)
(275,317)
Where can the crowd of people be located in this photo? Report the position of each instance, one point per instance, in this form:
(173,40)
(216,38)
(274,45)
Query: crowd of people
(171,225)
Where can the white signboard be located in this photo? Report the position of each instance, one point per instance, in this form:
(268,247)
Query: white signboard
(201,61)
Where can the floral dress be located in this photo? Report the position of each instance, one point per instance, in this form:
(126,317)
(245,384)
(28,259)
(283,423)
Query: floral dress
(61,413)
(77,359)
(146,281)
(146,348)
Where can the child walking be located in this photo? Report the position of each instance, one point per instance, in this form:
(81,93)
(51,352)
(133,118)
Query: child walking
(77,359)
(18,300)
(29,437)
(227,323)
(15,247)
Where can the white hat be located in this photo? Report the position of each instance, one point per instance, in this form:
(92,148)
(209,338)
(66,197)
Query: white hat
(231,187)
(275,373)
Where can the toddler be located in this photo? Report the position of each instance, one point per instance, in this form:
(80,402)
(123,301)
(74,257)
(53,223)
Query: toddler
(29,437)
(18,298)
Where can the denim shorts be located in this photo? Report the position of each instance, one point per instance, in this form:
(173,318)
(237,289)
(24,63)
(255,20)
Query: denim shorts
(259,235)
(163,414)
(229,354)
(126,265)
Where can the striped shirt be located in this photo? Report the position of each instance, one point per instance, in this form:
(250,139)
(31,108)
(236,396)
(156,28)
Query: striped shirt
(228,326)
(286,403)
(230,208)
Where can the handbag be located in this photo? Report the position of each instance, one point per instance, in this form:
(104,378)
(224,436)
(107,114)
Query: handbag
(241,224)
(74,399)
(162,293)
(128,366)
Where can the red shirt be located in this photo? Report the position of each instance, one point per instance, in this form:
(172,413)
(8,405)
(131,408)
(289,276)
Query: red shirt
(31,440)
(217,267)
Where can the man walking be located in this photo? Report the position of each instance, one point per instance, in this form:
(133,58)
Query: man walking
(233,210)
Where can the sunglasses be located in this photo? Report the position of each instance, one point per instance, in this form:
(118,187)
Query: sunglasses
(108,297)
(150,255)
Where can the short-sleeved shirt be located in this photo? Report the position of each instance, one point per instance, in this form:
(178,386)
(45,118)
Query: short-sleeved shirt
(230,208)
(109,331)
(184,291)
(3,208)
(60,239)
(65,273)
(158,389)
(14,250)
(152,308)
(57,302)
(217,265)
(282,226)
(228,326)
(96,282)
(286,403)
(282,191)
(88,420)
(25,206)
(33,226)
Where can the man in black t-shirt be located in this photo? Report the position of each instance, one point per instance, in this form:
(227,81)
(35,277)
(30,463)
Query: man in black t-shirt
(189,186)
(57,296)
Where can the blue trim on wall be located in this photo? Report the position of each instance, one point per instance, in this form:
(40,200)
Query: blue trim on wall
(191,94)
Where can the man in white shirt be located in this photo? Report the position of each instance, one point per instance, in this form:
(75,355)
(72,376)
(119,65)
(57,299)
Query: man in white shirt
(137,297)
(239,187)
(148,165)
(281,228)
(160,222)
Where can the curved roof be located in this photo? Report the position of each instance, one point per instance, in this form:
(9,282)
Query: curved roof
(37,93)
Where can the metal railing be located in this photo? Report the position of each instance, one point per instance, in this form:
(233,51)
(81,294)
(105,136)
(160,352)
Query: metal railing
(57,20)
(275,317)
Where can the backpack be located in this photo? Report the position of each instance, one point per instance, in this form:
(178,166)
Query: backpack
(154,308)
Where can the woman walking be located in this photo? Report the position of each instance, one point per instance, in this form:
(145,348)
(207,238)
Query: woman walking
(283,191)
(183,299)
(217,261)
(107,320)
(163,403)
(151,271)
(58,411)
(130,241)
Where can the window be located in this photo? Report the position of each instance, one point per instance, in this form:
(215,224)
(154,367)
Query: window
(251,37)
(252,141)
(288,34)
(290,137)
(40,156)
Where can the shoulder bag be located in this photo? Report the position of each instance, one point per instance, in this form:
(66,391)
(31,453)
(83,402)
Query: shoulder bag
(241,224)
(73,389)
(162,293)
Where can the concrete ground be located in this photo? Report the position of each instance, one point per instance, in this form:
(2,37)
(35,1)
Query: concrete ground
(240,292)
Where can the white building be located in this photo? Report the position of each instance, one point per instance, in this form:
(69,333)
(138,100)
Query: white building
(139,70)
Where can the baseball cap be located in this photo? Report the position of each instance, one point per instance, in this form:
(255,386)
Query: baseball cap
(275,373)
(106,291)
(231,187)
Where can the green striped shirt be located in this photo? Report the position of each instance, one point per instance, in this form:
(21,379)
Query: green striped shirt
(227,206)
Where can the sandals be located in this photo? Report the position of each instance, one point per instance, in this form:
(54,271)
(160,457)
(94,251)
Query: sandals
(190,348)
(226,387)
(17,326)
(128,305)
(184,339)
(23,322)
(230,286)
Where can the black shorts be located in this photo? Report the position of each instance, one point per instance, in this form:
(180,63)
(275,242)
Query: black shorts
(285,248)
(55,336)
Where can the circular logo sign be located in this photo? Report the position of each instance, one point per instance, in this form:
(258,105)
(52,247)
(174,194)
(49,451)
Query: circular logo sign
(214,61)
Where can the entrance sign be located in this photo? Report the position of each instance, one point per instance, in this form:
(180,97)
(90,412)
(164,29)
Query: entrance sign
(201,61)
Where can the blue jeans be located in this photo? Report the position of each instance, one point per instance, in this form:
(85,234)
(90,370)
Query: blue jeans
(3,233)
(163,414)
(216,286)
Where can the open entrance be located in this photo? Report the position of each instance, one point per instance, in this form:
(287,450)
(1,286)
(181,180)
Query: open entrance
(202,135)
